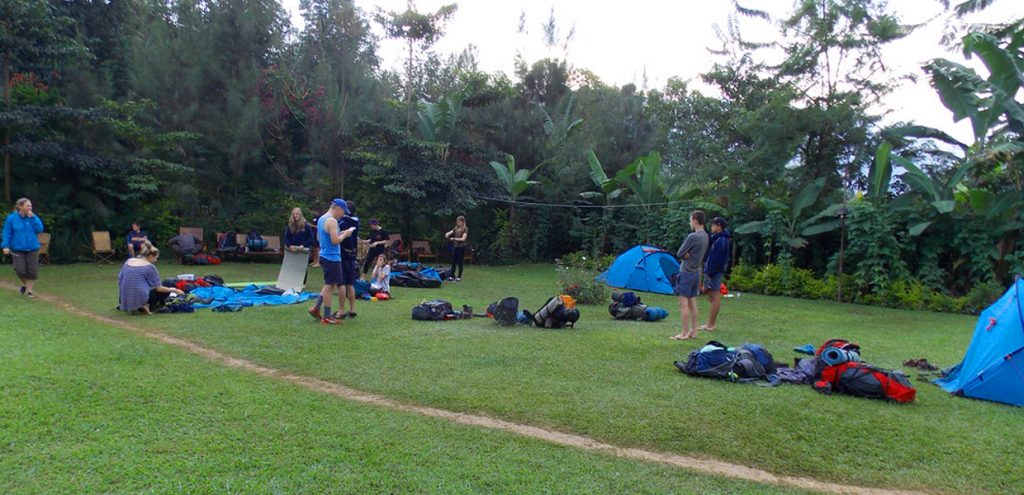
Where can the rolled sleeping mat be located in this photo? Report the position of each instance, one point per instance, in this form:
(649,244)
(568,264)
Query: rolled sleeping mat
(654,313)
(833,356)
(545,312)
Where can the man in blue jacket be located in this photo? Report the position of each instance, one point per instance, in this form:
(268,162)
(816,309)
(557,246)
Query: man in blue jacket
(21,242)
(714,269)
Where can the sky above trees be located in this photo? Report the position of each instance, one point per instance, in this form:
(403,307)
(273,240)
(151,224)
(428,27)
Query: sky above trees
(622,42)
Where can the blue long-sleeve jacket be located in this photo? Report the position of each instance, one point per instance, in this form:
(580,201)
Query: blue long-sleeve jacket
(20,232)
(303,237)
(718,255)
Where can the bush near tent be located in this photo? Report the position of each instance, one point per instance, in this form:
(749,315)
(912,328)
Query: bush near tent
(642,268)
(993,367)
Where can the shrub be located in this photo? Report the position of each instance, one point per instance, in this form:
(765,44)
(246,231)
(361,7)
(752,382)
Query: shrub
(577,277)
(786,280)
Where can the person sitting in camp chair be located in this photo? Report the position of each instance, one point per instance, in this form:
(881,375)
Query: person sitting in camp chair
(135,237)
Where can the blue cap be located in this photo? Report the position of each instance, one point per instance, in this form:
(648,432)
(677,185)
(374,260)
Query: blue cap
(341,203)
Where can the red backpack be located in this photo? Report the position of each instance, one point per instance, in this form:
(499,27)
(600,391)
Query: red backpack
(858,379)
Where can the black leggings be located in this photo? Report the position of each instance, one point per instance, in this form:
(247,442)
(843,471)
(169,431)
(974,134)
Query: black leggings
(458,257)
(157,299)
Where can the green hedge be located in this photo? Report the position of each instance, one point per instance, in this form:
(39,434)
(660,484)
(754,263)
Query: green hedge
(786,280)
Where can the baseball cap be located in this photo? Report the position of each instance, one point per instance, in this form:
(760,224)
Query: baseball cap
(719,221)
(374,221)
(340,203)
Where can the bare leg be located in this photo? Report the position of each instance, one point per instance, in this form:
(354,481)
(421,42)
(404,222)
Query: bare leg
(716,306)
(342,293)
(691,302)
(29,284)
(351,293)
(684,310)
(131,250)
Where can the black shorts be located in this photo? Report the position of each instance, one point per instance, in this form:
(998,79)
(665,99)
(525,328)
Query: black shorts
(332,272)
(349,272)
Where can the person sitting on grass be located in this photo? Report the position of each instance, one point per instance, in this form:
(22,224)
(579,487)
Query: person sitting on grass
(380,280)
(138,284)
(135,237)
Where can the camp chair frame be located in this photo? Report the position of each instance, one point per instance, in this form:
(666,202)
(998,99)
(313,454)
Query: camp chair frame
(102,247)
(44,247)
(421,250)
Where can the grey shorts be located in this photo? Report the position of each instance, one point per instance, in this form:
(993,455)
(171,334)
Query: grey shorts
(687,284)
(26,264)
(713,283)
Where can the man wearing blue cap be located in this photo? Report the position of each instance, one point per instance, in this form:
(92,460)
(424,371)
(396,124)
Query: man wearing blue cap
(330,237)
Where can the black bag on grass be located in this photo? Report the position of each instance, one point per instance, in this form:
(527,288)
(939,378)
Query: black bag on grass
(505,311)
(432,310)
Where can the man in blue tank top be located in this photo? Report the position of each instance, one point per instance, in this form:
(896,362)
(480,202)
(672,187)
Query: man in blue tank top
(330,237)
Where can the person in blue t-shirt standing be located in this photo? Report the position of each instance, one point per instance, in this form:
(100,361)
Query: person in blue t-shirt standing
(21,242)
(331,237)
(349,253)
(714,269)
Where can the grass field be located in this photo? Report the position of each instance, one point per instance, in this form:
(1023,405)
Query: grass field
(613,381)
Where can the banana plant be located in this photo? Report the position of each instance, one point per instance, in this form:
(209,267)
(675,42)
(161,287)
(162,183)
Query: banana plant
(515,182)
(558,131)
(608,191)
(437,122)
(643,178)
(795,227)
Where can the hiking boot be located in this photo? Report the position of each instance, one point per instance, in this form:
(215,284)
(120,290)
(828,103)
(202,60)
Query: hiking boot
(330,320)
(315,313)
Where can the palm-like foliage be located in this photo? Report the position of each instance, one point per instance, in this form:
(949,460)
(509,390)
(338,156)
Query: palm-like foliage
(795,227)
(515,182)
(438,121)
(643,178)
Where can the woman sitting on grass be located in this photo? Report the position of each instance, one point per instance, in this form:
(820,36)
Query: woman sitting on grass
(138,284)
(380,280)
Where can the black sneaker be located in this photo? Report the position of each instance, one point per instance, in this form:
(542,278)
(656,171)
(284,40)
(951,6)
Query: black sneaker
(30,294)
(22,290)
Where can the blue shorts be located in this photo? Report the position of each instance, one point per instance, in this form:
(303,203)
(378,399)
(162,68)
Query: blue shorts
(687,284)
(349,272)
(332,272)
(713,283)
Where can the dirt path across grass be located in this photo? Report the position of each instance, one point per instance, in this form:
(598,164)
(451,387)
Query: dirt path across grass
(695,464)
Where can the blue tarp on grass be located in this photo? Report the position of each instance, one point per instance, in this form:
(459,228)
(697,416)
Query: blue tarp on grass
(245,297)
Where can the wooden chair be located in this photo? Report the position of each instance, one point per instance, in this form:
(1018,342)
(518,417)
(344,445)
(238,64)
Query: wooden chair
(470,256)
(421,250)
(273,249)
(44,247)
(404,251)
(102,248)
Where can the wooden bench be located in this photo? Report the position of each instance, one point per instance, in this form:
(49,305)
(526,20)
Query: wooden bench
(422,252)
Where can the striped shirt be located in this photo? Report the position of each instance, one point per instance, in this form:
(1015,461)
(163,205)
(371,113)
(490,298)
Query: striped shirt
(134,283)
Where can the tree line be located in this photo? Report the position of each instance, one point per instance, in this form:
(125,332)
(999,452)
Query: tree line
(221,113)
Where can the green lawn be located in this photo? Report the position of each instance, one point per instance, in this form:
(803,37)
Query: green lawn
(86,408)
(614,381)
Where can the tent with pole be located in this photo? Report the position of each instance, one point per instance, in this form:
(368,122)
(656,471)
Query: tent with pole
(993,368)
(642,268)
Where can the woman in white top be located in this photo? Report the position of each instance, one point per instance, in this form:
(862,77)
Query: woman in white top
(380,279)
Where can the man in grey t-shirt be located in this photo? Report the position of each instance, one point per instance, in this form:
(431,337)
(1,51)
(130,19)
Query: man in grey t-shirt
(687,286)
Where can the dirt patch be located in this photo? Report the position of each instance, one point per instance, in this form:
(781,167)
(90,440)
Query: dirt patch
(695,464)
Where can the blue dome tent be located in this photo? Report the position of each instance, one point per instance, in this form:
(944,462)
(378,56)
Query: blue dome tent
(642,268)
(993,368)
